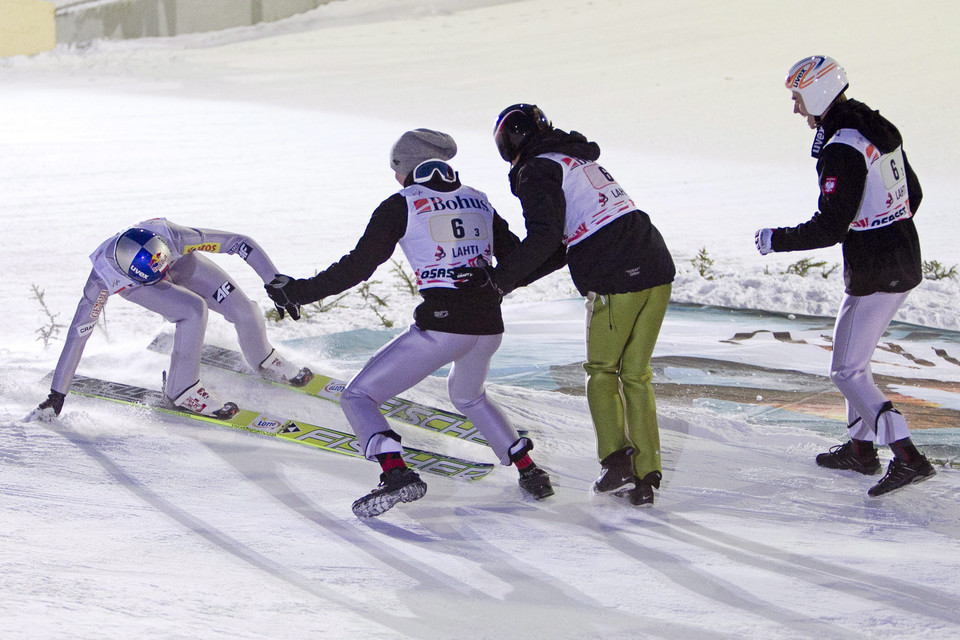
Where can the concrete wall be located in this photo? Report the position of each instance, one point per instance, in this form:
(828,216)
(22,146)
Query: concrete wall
(26,27)
(86,20)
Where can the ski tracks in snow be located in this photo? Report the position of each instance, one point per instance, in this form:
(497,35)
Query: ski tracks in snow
(512,596)
(587,564)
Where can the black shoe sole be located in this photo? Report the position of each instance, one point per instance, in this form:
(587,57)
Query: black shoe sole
(630,495)
(541,495)
(914,481)
(375,504)
(538,492)
(870,471)
(598,489)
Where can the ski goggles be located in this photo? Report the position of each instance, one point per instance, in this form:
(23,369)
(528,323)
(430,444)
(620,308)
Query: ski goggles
(424,171)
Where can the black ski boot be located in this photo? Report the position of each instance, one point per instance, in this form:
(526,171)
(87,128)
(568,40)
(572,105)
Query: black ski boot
(196,399)
(845,456)
(641,494)
(302,378)
(617,471)
(401,484)
(901,473)
(535,482)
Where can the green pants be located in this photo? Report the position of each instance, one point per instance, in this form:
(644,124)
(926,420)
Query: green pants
(622,330)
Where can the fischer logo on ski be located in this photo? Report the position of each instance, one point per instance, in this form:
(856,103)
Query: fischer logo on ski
(316,436)
(433,419)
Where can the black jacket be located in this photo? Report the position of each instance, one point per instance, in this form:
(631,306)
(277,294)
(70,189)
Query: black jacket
(463,311)
(884,259)
(627,255)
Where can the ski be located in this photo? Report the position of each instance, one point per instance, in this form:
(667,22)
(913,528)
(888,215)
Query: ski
(440,421)
(291,430)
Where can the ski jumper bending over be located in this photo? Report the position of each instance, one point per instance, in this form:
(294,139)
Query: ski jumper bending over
(160,266)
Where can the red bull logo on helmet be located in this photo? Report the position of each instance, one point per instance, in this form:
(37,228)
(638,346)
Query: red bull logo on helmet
(158,262)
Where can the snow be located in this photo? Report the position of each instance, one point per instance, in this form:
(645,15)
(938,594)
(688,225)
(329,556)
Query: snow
(121,524)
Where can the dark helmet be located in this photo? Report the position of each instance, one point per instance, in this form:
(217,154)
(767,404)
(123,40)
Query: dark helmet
(516,126)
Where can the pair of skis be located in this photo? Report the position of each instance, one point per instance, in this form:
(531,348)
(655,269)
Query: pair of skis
(412,413)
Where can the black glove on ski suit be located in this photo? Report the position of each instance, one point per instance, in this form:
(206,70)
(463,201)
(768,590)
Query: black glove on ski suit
(283,291)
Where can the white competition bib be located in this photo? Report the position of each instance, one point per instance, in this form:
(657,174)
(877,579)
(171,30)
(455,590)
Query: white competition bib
(593,197)
(885,198)
(445,230)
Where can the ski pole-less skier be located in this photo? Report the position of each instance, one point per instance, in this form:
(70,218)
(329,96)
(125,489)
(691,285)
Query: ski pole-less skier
(868,197)
(158,265)
(441,225)
(575,211)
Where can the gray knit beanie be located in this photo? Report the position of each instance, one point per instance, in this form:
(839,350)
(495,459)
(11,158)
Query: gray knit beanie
(418,145)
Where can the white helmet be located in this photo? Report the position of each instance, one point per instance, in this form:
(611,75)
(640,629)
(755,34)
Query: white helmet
(818,80)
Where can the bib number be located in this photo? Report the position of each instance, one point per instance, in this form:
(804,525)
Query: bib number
(892,169)
(458,227)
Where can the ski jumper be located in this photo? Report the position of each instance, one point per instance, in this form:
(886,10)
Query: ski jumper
(192,286)
(868,196)
(439,225)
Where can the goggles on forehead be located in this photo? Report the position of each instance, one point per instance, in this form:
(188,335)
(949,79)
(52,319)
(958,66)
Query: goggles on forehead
(425,170)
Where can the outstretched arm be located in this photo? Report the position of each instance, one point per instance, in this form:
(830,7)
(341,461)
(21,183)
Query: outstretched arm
(843,174)
(506,242)
(378,242)
(84,320)
(190,239)
(540,190)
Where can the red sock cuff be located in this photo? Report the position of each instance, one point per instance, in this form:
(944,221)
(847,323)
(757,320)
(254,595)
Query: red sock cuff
(523,462)
(391,462)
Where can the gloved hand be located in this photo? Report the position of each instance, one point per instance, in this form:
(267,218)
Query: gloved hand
(764,241)
(470,277)
(476,277)
(49,408)
(278,290)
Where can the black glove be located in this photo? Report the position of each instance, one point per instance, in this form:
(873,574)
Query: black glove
(279,291)
(476,277)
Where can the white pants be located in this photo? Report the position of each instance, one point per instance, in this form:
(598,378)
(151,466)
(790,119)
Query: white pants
(195,284)
(408,359)
(861,323)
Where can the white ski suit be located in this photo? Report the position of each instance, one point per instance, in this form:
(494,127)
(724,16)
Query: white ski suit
(192,286)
